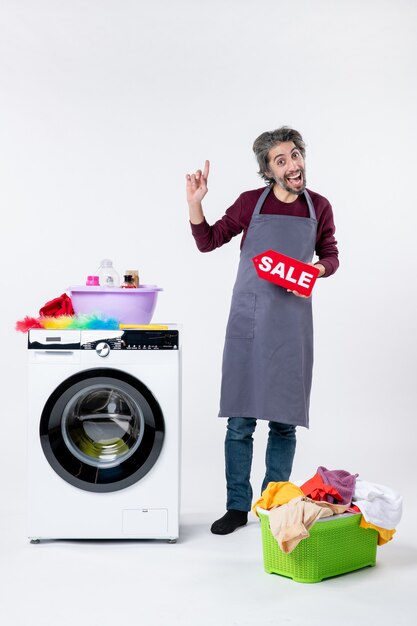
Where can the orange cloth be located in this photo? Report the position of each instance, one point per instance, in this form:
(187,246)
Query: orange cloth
(384,535)
(276,494)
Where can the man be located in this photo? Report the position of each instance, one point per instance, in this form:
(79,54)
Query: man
(268,352)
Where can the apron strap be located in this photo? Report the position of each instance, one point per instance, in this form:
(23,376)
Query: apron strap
(261,200)
(266,191)
(310,205)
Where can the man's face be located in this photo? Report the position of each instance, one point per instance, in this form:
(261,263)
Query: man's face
(286,166)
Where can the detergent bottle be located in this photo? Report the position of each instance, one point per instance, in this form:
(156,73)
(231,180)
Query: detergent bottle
(128,282)
(108,276)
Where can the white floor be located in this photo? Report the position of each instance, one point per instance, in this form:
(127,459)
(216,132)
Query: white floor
(201,580)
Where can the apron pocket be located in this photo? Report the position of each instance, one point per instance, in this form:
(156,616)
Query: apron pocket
(241,324)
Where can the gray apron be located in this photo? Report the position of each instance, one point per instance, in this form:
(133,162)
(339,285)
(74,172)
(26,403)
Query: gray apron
(268,352)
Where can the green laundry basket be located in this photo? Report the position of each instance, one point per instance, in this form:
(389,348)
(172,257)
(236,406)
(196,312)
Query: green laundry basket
(335,546)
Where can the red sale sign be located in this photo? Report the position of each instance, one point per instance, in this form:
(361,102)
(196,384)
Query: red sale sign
(286,272)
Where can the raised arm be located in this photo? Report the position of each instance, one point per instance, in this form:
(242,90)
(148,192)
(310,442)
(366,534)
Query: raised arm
(196,190)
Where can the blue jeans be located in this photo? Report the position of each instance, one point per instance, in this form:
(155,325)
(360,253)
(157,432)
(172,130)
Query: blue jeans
(238,447)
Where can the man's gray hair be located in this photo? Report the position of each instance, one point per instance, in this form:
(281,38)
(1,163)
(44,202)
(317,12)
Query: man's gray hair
(263,144)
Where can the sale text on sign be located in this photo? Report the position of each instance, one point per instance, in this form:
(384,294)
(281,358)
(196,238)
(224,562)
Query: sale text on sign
(286,272)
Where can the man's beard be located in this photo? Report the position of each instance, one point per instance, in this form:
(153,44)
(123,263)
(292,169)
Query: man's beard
(282,182)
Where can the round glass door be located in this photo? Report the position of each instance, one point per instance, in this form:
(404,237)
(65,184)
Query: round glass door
(102,430)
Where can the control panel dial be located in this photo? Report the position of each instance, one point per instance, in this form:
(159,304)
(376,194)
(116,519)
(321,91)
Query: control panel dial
(103,349)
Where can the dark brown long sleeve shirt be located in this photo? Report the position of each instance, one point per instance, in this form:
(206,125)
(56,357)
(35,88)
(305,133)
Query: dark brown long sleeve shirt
(237,218)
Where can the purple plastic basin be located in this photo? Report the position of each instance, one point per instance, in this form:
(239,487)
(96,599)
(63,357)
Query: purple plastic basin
(128,306)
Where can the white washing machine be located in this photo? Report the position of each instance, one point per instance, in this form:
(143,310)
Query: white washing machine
(104,434)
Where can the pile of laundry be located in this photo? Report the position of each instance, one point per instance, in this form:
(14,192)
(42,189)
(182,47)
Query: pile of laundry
(294,509)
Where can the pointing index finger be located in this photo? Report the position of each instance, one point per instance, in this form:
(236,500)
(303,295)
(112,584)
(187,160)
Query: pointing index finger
(206,169)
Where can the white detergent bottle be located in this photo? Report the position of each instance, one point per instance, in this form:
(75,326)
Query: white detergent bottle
(108,277)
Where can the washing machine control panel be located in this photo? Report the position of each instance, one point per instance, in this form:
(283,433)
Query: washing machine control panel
(103,341)
(132,340)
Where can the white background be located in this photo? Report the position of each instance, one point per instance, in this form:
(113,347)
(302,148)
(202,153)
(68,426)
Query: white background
(105,105)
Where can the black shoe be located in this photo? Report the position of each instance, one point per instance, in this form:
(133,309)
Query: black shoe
(229,522)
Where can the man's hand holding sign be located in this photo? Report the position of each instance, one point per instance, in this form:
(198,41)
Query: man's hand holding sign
(285,271)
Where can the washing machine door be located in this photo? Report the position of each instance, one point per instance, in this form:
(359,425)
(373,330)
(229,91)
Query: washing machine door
(102,430)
